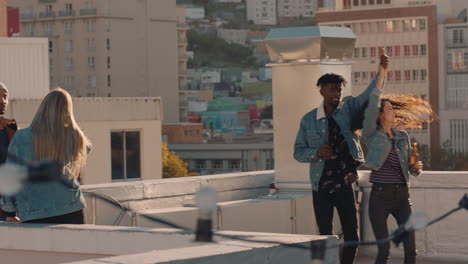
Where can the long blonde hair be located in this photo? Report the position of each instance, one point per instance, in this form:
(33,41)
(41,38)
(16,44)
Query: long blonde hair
(56,135)
(411,111)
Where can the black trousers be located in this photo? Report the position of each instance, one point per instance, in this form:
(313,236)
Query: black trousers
(70,218)
(343,200)
(386,199)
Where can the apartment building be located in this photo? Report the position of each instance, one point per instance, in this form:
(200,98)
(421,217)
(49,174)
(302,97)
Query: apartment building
(453,70)
(3,18)
(407,30)
(296,8)
(262,12)
(106,48)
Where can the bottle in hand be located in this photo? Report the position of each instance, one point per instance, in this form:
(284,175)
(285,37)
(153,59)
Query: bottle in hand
(414,154)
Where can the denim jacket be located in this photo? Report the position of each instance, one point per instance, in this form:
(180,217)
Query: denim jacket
(379,143)
(40,200)
(313,131)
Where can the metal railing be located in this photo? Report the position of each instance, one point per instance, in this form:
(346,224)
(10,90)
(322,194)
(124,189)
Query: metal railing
(27,16)
(63,13)
(47,14)
(88,11)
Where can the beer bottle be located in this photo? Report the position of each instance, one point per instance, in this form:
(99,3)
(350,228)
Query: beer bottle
(414,154)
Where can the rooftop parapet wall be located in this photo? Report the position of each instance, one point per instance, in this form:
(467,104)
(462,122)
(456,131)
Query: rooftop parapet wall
(95,109)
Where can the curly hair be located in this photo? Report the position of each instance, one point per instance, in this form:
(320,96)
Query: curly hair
(411,111)
(331,78)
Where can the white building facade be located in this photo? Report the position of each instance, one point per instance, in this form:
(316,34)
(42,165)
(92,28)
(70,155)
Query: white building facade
(262,12)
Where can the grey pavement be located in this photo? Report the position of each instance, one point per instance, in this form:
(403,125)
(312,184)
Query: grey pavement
(366,259)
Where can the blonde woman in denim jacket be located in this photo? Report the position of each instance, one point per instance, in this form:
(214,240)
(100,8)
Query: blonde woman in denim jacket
(388,155)
(53,135)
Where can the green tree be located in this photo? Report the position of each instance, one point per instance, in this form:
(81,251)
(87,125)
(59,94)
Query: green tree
(173,166)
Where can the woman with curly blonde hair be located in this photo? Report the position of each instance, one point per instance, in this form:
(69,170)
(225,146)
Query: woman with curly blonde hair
(389,150)
(53,135)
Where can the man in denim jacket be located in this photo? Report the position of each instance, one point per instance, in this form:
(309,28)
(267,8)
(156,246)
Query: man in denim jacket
(327,141)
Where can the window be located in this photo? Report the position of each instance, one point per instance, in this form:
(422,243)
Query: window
(68,27)
(407,50)
(413,24)
(389,51)
(465,62)
(217,164)
(68,45)
(69,82)
(371,2)
(51,46)
(364,52)
(91,81)
(397,50)
(356,2)
(422,24)
(422,49)
(363,2)
(381,50)
(200,164)
(29,29)
(109,80)
(415,50)
(423,74)
(108,62)
(397,75)
(415,75)
(125,155)
(389,25)
(406,25)
(373,74)
(373,52)
(356,52)
(90,26)
(357,76)
(458,36)
(364,75)
(68,7)
(69,64)
(390,76)
(91,62)
(450,62)
(407,75)
(48,28)
(108,44)
(234,164)
(91,44)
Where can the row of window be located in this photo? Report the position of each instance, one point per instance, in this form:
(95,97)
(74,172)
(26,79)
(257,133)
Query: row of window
(457,36)
(457,62)
(217,164)
(68,45)
(370,2)
(398,75)
(69,81)
(69,63)
(389,26)
(393,51)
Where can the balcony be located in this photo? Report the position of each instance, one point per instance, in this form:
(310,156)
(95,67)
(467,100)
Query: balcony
(452,45)
(65,13)
(28,16)
(46,1)
(47,14)
(88,12)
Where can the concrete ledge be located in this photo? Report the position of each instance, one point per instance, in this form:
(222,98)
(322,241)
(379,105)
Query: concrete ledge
(145,245)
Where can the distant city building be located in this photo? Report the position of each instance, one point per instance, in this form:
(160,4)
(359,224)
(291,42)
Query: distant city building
(223,158)
(3,18)
(264,74)
(296,8)
(182,48)
(182,133)
(237,36)
(408,34)
(109,50)
(194,13)
(229,1)
(454,79)
(262,12)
